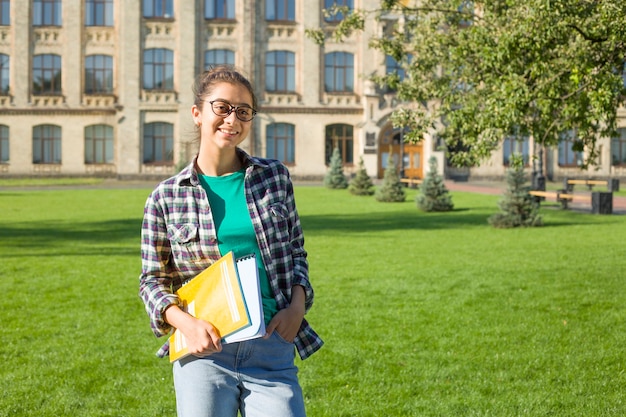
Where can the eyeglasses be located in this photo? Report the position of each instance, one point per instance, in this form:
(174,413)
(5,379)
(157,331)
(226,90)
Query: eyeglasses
(221,108)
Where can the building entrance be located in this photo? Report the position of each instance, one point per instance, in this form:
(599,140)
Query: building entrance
(392,142)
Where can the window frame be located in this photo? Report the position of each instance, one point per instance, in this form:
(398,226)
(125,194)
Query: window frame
(5,12)
(54,72)
(619,143)
(219,9)
(47,13)
(343,134)
(5,74)
(156,68)
(47,144)
(5,148)
(95,76)
(157,9)
(515,145)
(167,145)
(339,16)
(227,53)
(99,144)
(565,151)
(275,13)
(280,77)
(280,142)
(338,72)
(99,13)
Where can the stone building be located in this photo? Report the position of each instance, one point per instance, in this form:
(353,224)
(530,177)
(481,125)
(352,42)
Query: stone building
(103,88)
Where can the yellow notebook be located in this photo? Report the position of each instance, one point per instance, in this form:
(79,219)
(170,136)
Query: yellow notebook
(214,295)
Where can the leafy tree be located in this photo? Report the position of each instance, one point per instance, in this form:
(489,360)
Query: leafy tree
(335,177)
(391,190)
(433,195)
(518,208)
(475,74)
(361,184)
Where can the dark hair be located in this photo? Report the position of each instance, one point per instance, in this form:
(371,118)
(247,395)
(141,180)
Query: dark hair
(206,81)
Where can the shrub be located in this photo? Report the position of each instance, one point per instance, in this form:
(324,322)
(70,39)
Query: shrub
(433,195)
(335,177)
(361,184)
(391,190)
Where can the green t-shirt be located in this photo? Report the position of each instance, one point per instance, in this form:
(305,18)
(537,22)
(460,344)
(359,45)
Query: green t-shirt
(234,228)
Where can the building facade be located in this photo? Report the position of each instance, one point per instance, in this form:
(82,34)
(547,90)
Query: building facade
(103,88)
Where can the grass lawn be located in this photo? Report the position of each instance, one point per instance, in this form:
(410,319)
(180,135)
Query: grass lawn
(422,314)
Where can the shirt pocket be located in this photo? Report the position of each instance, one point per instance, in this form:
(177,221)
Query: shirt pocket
(185,243)
(280,222)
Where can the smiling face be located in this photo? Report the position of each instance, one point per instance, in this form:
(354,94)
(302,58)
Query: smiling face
(221,133)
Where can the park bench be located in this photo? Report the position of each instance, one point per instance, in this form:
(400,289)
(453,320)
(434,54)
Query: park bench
(601,202)
(411,182)
(611,184)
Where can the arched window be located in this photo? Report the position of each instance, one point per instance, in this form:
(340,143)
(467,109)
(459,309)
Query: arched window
(340,136)
(281,142)
(98,144)
(618,147)
(158,143)
(568,157)
(515,146)
(46,144)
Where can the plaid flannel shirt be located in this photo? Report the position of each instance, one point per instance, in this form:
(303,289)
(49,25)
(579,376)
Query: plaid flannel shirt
(178,240)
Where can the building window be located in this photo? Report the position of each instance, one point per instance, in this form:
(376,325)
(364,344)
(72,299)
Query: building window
(340,136)
(46,74)
(47,12)
(618,147)
(219,9)
(282,10)
(515,146)
(158,143)
(98,74)
(281,142)
(158,9)
(214,57)
(5,12)
(99,144)
(99,13)
(158,69)
(4,74)
(46,144)
(280,71)
(568,157)
(339,3)
(4,144)
(338,72)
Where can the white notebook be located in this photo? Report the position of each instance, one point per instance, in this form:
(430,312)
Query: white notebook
(249,277)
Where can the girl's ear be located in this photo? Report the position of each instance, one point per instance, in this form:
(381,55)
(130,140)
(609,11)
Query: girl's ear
(196,114)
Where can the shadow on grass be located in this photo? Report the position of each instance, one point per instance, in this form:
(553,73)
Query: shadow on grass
(55,238)
(374,222)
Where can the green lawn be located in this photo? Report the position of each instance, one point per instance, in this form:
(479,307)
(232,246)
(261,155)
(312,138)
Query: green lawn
(422,314)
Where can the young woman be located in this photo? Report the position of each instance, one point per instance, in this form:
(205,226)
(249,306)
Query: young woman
(227,200)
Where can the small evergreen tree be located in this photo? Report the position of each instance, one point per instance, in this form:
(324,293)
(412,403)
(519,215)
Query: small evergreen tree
(391,190)
(518,208)
(361,184)
(433,195)
(335,177)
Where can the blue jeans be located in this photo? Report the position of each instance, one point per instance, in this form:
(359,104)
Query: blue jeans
(257,377)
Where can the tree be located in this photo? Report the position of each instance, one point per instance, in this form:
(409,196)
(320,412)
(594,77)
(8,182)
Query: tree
(335,177)
(518,208)
(433,195)
(391,190)
(361,184)
(517,68)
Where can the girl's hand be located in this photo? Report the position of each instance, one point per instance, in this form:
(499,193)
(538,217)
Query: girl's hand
(288,320)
